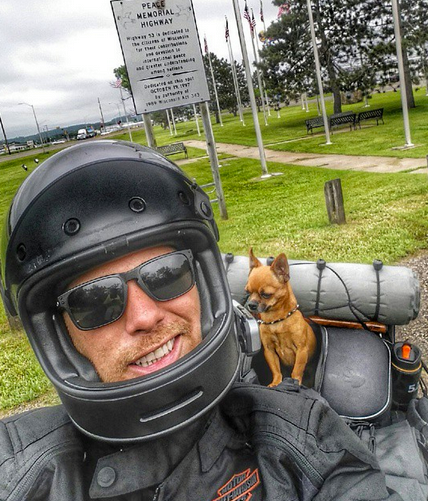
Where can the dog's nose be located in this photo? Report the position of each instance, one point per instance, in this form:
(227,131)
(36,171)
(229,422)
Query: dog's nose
(252,305)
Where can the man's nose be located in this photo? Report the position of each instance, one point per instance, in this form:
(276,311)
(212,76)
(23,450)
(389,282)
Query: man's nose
(142,313)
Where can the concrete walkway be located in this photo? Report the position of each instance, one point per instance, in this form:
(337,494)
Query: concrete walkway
(342,162)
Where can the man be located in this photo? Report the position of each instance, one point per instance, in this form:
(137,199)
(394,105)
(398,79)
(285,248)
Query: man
(150,334)
(110,258)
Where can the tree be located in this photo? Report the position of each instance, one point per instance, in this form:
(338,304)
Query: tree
(121,73)
(287,59)
(415,37)
(224,84)
(347,37)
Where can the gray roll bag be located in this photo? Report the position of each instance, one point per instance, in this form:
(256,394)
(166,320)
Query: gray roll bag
(342,291)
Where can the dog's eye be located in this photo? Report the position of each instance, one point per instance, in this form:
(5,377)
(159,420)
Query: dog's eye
(265,295)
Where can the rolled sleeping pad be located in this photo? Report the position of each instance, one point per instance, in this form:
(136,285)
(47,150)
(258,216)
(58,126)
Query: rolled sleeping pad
(342,291)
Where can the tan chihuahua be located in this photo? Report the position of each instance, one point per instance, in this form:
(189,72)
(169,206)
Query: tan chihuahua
(284,333)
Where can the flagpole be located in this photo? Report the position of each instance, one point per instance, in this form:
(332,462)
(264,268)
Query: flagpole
(169,122)
(101,112)
(126,116)
(404,105)
(250,88)
(234,75)
(236,83)
(173,122)
(259,81)
(318,71)
(262,17)
(213,80)
(196,119)
(257,61)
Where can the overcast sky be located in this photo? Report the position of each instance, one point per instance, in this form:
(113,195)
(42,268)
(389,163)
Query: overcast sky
(59,56)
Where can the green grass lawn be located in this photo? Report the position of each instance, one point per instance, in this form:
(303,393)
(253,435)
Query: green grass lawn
(387,214)
(288,132)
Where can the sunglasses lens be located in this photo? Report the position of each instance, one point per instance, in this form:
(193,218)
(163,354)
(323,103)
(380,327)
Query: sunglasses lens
(168,277)
(97,303)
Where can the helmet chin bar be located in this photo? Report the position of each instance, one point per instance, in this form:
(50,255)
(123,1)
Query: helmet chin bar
(144,408)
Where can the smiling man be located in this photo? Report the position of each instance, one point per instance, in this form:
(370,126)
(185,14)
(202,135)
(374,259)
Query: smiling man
(109,256)
(147,333)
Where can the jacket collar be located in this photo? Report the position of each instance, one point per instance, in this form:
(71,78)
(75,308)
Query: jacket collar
(147,465)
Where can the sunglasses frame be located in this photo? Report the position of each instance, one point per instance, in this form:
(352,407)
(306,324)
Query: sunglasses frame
(125,277)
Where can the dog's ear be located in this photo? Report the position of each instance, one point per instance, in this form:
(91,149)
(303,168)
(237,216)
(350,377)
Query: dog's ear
(254,262)
(280,268)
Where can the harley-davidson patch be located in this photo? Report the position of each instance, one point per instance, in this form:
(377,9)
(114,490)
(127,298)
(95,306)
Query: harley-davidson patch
(239,487)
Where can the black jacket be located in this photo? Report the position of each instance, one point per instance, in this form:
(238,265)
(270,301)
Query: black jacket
(263,444)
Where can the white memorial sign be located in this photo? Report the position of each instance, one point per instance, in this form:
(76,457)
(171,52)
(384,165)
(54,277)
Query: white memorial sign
(160,45)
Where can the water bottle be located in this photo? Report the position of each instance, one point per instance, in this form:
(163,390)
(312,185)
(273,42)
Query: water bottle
(406,373)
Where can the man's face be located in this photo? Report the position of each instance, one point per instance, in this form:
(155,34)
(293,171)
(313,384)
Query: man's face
(149,335)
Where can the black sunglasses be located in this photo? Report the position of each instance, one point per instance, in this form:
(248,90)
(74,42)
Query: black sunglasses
(102,301)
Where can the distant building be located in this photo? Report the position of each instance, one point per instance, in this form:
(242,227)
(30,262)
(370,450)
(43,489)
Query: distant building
(13,147)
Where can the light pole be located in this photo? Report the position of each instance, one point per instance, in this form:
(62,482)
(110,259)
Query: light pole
(37,124)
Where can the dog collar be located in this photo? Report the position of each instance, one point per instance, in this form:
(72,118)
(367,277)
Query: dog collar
(259,321)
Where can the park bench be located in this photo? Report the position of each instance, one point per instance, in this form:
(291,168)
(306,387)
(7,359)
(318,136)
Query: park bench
(171,149)
(312,123)
(347,117)
(370,114)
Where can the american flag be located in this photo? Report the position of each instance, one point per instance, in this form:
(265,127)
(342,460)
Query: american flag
(247,13)
(226,31)
(118,83)
(262,19)
(205,45)
(284,9)
(252,23)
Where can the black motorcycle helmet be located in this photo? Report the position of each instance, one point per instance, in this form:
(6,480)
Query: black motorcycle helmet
(90,204)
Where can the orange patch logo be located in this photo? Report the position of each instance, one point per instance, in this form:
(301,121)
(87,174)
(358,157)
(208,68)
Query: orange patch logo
(239,487)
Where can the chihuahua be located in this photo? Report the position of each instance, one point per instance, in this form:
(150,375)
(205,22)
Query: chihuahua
(284,333)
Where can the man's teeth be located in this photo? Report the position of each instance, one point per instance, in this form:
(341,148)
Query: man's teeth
(156,355)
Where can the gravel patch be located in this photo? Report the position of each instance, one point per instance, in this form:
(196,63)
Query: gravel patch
(417,330)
